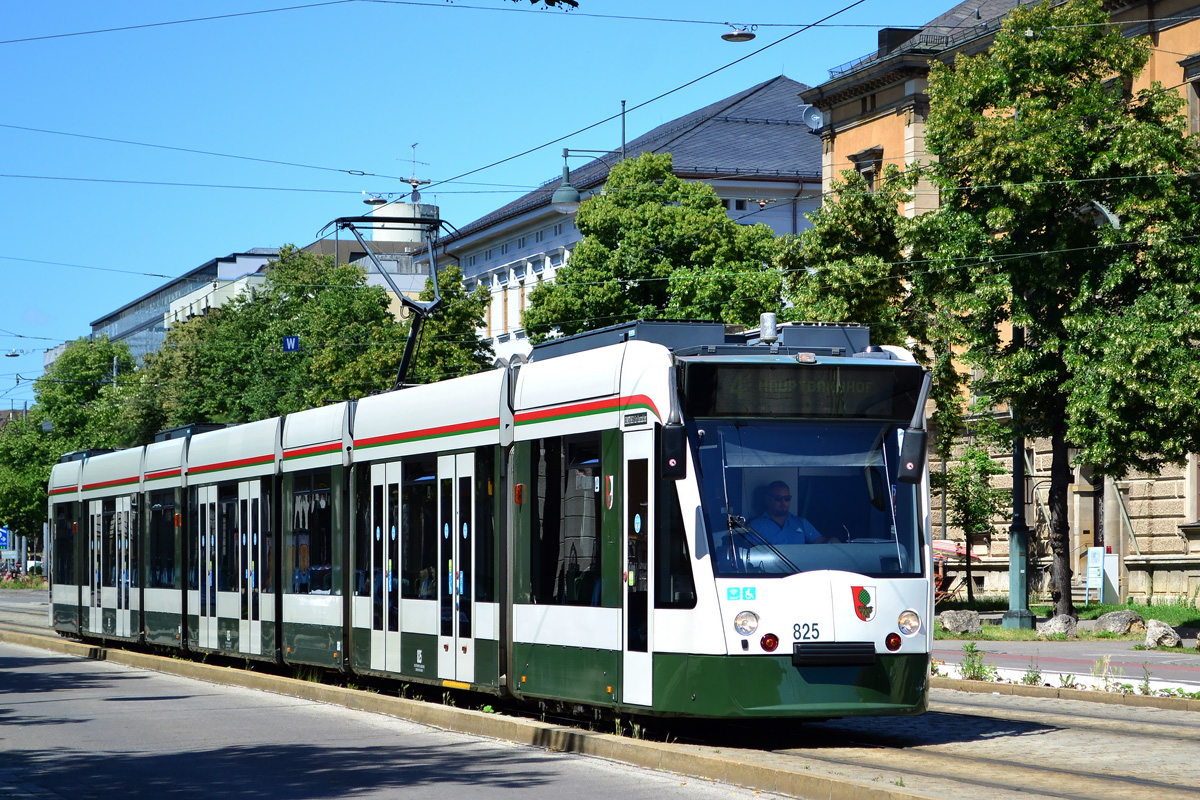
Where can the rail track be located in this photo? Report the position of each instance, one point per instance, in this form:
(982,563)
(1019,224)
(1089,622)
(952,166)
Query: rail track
(967,745)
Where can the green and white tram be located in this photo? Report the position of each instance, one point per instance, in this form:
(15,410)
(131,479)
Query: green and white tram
(589,527)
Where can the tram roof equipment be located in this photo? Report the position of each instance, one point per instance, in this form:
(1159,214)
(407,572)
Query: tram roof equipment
(716,338)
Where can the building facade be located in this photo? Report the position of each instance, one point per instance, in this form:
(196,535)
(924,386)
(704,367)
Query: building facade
(873,113)
(141,323)
(753,148)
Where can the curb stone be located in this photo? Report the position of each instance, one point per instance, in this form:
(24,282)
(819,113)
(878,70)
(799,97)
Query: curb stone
(1091,696)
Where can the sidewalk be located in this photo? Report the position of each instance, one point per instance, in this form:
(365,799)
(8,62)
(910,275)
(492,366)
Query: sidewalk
(1083,662)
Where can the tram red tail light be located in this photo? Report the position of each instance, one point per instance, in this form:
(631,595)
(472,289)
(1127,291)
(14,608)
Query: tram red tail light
(892,642)
(769,642)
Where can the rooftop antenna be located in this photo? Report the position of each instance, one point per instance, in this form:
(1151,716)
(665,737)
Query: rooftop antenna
(413,180)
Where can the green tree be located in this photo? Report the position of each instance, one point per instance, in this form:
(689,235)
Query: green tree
(851,265)
(70,387)
(26,456)
(229,366)
(1036,142)
(854,265)
(655,245)
(972,501)
(68,397)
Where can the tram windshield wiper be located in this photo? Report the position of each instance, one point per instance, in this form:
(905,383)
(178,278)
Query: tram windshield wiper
(738,525)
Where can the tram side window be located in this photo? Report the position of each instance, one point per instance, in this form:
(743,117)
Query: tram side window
(308,551)
(268,537)
(228,537)
(162,541)
(674,586)
(485,525)
(63,567)
(418,554)
(566,547)
(108,553)
(195,528)
(134,548)
(362,530)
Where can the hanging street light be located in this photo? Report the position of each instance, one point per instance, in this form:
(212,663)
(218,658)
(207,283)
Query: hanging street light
(739,33)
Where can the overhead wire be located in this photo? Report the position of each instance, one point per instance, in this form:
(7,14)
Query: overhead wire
(173,22)
(639,106)
(645,103)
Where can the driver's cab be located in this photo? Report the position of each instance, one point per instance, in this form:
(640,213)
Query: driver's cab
(848,510)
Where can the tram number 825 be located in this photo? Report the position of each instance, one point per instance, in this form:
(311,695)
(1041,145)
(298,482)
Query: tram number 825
(805,630)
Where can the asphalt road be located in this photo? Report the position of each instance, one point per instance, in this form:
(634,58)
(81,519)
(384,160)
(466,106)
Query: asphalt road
(74,728)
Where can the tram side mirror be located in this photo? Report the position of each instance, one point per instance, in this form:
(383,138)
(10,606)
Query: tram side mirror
(912,456)
(672,456)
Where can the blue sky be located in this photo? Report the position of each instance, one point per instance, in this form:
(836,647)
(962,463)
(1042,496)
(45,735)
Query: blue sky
(331,88)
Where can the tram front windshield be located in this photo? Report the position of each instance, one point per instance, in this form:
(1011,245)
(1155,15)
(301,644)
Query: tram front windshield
(797,496)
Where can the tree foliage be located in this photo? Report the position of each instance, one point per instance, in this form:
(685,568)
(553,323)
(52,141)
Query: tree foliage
(972,501)
(655,245)
(854,265)
(1036,141)
(77,397)
(229,366)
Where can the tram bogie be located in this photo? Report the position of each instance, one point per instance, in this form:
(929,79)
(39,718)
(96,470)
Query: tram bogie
(581,528)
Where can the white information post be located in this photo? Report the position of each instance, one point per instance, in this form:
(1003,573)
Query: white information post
(1103,575)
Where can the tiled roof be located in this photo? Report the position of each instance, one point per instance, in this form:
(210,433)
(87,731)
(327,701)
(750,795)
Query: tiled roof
(966,21)
(756,132)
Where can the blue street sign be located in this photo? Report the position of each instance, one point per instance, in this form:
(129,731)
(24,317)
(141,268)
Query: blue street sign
(291,344)
(4,538)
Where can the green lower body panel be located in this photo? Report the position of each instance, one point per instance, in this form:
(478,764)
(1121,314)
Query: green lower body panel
(268,641)
(229,639)
(487,663)
(360,649)
(577,674)
(418,656)
(66,618)
(163,628)
(770,686)
(318,645)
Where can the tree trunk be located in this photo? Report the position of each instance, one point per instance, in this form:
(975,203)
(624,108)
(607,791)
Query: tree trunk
(1060,540)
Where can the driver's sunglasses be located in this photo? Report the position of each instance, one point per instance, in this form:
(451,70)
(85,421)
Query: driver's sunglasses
(781,498)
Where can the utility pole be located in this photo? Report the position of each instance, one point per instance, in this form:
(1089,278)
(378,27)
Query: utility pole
(1018,614)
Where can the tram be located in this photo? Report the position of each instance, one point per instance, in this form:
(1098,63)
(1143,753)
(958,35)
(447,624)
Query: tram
(584,526)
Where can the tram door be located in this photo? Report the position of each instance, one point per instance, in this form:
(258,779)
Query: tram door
(123,526)
(95,615)
(206,546)
(637,570)
(385,566)
(250,557)
(456,651)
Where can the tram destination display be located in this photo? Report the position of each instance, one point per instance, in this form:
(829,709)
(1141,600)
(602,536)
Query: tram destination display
(792,390)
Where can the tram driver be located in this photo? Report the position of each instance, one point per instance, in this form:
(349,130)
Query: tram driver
(778,525)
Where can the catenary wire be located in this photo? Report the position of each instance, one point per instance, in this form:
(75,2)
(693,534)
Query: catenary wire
(173,22)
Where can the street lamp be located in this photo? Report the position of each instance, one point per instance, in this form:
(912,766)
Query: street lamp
(566,198)
(739,33)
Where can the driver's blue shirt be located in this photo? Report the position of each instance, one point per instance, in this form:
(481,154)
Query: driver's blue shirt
(794,530)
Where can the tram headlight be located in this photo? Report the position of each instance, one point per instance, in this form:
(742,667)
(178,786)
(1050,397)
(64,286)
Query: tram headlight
(909,622)
(745,623)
